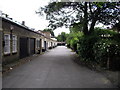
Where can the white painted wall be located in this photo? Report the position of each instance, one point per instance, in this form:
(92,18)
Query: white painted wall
(42,43)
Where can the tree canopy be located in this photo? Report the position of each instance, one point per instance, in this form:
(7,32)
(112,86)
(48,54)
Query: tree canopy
(117,26)
(62,37)
(86,13)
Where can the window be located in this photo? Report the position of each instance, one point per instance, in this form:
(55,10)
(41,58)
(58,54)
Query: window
(7,44)
(14,43)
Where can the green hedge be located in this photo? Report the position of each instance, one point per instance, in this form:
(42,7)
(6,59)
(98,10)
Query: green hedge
(73,39)
(107,53)
(100,46)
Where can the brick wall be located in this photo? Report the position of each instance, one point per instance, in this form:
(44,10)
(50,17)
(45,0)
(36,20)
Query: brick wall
(14,29)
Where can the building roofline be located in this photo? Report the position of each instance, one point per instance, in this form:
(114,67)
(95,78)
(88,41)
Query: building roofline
(23,26)
(20,25)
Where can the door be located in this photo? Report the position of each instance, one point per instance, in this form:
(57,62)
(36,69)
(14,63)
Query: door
(23,47)
(32,46)
(45,45)
(40,45)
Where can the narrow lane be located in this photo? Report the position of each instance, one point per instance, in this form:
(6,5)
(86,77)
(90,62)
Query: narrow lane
(54,69)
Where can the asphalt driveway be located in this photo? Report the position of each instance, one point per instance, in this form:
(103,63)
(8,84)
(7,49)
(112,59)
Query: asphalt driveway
(55,69)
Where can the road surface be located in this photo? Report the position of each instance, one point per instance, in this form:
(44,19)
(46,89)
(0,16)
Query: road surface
(54,69)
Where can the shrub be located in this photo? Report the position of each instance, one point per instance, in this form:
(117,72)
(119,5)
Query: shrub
(100,32)
(100,46)
(107,53)
(73,39)
(85,47)
(73,43)
(116,37)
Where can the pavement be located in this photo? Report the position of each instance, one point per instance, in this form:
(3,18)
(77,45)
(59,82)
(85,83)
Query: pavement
(55,69)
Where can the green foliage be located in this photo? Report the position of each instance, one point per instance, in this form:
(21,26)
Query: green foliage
(86,44)
(98,34)
(76,27)
(100,46)
(116,37)
(99,4)
(62,37)
(97,47)
(106,49)
(104,32)
(67,13)
(73,39)
(81,39)
(116,26)
(75,34)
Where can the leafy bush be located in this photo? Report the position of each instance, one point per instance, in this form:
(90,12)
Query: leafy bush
(107,53)
(73,39)
(85,47)
(62,37)
(73,43)
(116,37)
(100,32)
(100,46)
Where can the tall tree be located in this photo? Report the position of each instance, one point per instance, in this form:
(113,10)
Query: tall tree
(88,13)
(62,37)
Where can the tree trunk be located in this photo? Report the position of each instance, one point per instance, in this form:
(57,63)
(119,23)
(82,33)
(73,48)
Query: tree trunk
(85,22)
(92,26)
(94,19)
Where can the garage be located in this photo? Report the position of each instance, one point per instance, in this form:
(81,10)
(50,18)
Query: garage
(32,46)
(23,47)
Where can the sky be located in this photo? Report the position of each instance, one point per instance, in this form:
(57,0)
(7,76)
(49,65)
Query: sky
(24,10)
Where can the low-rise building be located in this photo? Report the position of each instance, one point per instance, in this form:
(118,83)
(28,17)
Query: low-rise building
(19,41)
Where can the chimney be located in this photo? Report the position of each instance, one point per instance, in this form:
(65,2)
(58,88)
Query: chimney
(23,22)
(6,15)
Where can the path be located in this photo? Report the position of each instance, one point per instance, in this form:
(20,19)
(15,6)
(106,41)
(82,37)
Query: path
(54,69)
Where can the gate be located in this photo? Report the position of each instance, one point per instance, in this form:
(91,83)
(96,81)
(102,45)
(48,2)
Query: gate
(23,47)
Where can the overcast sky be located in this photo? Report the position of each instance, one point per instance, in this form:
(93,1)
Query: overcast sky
(24,10)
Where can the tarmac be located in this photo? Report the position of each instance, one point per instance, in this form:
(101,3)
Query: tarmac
(55,69)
